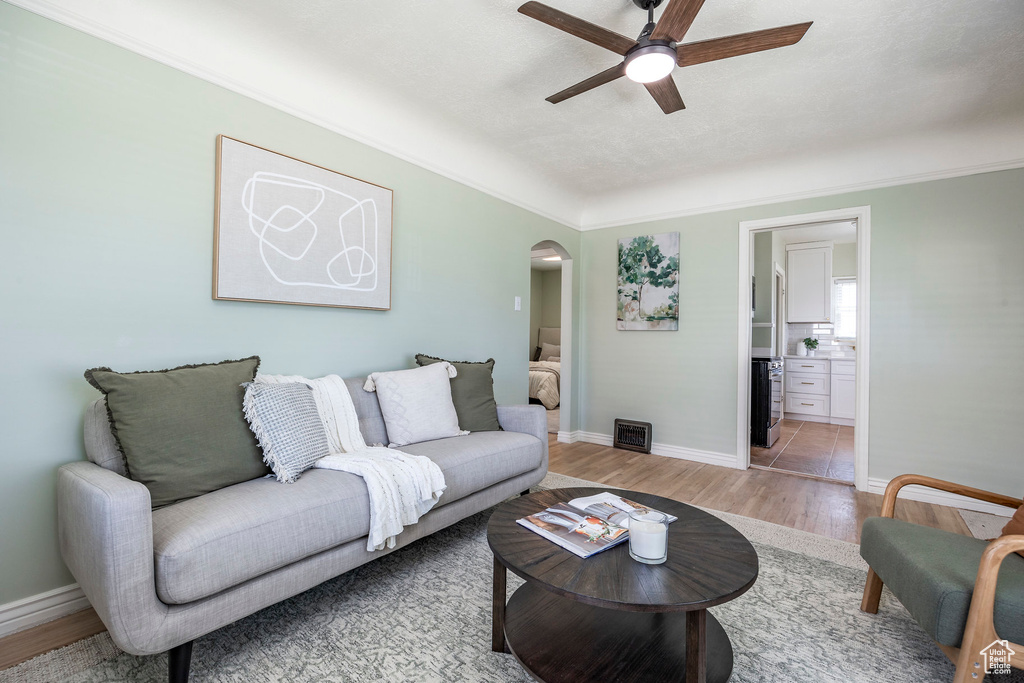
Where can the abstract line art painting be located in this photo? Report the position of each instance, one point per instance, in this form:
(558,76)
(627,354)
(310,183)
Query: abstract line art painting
(291,232)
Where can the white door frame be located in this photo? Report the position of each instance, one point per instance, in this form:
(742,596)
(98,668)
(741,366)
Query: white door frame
(565,435)
(862,215)
(565,370)
(778,328)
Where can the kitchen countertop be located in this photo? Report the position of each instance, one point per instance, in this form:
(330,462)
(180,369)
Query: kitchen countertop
(794,357)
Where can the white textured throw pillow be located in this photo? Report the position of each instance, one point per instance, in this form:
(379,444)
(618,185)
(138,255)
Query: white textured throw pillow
(286,423)
(550,351)
(416,404)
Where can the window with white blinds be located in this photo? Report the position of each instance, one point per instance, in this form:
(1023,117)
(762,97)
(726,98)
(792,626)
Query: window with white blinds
(844,307)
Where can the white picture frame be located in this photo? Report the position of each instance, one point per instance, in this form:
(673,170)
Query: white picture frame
(291,232)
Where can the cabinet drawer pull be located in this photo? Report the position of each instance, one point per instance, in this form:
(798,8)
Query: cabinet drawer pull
(806,382)
(807,404)
(807,366)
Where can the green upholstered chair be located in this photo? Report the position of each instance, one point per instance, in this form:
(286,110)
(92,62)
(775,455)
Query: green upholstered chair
(964,592)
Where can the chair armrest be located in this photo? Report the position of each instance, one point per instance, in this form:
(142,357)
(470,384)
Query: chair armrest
(105,528)
(893,489)
(527,419)
(980,629)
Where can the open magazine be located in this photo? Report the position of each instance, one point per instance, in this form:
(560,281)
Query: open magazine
(586,526)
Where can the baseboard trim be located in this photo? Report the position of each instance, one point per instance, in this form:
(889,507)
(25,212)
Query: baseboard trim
(596,437)
(953,500)
(670,451)
(568,437)
(39,609)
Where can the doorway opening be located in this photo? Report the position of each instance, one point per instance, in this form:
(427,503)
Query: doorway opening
(803,345)
(550,346)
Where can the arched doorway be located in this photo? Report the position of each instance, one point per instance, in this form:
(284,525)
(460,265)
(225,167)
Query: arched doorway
(551,321)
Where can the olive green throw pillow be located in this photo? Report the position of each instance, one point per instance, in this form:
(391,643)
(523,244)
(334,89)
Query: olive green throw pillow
(182,431)
(472,393)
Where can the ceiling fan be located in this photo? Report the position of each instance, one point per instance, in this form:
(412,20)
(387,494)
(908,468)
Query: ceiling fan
(651,58)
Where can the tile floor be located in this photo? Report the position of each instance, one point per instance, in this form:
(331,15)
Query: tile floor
(814,448)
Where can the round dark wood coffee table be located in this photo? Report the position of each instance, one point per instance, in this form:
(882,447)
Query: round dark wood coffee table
(608,617)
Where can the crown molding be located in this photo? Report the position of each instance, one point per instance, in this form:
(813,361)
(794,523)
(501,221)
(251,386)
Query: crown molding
(452,154)
(895,181)
(546,201)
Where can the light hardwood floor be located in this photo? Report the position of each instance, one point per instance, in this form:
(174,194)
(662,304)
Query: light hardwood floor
(821,507)
(16,648)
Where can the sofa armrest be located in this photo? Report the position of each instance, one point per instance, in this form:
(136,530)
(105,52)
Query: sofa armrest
(105,527)
(528,419)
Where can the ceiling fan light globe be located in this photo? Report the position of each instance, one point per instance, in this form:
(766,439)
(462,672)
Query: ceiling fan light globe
(650,64)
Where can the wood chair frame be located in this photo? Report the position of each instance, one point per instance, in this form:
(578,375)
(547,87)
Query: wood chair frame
(980,630)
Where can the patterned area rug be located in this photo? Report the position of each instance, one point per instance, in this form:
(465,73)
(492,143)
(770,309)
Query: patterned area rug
(423,613)
(984,525)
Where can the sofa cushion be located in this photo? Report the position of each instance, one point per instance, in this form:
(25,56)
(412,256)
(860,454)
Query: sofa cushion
(472,393)
(207,544)
(371,420)
(182,431)
(474,462)
(932,572)
(417,404)
(285,420)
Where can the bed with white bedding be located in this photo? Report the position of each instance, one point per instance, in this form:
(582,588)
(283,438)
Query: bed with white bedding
(545,371)
(545,378)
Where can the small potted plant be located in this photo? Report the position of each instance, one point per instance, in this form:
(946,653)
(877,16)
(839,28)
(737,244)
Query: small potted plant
(811,343)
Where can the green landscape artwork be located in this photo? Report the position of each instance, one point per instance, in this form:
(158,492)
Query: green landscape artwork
(649,282)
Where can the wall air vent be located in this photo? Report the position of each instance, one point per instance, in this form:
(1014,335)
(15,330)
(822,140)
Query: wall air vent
(633,435)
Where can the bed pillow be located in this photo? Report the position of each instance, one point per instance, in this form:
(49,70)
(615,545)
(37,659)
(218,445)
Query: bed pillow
(286,423)
(536,354)
(549,351)
(416,404)
(472,393)
(182,431)
(1015,526)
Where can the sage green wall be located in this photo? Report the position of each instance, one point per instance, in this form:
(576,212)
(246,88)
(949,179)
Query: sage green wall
(844,260)
(552,296)
(763,274)
(106,210)
(947,304)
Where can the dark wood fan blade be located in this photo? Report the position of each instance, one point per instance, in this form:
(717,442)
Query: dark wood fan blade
(606,76)
(610,40)
(740,44)
(666,94)
(675,21)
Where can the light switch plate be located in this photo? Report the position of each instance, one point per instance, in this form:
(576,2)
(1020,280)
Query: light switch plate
(519,303)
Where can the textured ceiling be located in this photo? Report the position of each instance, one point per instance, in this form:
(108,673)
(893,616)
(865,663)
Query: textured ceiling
(866,73)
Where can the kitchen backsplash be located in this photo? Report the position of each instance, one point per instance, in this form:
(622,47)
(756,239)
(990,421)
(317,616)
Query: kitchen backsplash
(824,333)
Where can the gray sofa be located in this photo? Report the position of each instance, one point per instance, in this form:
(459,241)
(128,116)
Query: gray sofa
(160,578)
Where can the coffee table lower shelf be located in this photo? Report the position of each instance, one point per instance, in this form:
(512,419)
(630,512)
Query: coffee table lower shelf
(559,640)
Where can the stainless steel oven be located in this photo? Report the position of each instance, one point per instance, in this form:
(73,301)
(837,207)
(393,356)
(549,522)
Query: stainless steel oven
(766,400)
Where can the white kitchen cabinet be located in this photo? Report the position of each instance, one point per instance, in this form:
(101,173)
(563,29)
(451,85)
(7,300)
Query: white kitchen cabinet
(808,364)
(821,390)
(799,406)
(843,392)
(809,282)
(803,383)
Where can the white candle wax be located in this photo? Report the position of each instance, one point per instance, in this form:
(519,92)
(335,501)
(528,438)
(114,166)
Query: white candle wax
(648,540)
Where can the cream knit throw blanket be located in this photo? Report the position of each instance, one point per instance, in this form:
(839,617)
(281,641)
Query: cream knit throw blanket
(402,487)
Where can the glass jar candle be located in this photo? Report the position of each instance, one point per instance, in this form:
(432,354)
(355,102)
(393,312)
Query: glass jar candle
(648,536)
